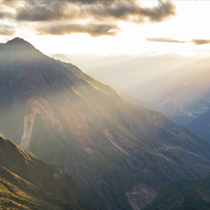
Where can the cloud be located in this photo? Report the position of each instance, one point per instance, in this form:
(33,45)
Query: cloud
(200,41)
(7,30)
(132,11)
(93,30)
(127,10)
(97,14)
(160,39)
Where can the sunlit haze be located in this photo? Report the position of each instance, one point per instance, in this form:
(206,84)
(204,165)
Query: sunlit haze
(174,34)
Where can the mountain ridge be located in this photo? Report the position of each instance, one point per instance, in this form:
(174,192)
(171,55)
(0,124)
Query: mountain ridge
(29,183)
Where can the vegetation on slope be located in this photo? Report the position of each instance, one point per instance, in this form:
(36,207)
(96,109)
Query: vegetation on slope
(29,183)
(183,194)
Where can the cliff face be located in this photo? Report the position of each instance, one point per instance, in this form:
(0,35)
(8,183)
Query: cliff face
(108,145)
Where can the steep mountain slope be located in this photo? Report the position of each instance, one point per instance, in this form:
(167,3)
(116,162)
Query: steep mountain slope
(124,94)
(201,125)
(187,97)
(29,183)
(119,154)
(140,102)
(184,194)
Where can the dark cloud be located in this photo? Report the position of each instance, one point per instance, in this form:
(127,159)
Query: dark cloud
(68,14)
(6,30)
(3,15)
(160,39)
(43,11)
(132,11)
(93,30)
(200,41)
(127,10)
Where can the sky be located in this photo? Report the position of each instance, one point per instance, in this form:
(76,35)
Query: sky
(109,26)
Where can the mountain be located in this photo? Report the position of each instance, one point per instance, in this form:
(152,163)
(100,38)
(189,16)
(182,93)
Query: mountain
(140,102)
(29,183)
(187,97)
(183,194)
(119,154)
(62,58)
(201,125)
(193,198)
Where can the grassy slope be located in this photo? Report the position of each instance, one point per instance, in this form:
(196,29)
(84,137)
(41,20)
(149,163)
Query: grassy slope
(175,190)
(29,183)
(193,198)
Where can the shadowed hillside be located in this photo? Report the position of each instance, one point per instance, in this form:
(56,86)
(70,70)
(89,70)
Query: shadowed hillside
(190,194)
(29,183)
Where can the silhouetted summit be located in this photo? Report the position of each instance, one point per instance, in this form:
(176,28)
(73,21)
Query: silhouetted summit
(19,51)
(18,43)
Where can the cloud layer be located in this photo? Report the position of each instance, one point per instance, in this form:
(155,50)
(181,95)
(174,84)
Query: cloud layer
(83,16)
(125,10)
(7,30)
(93,30)
(170,40)
(200,41)
(160,39)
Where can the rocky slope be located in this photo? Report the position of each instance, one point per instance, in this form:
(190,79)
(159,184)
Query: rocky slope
(120,154)
(29,183)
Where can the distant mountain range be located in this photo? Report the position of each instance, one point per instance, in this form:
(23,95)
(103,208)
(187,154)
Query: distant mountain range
(119,154)
(187,97)
(29,183)
(185,194)
(63,58)
(201,125)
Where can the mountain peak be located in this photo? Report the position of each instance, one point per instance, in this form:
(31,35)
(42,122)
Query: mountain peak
(19,50)
(16,40)
(17,44)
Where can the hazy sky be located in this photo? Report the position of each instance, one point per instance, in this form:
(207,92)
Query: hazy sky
(109,26)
